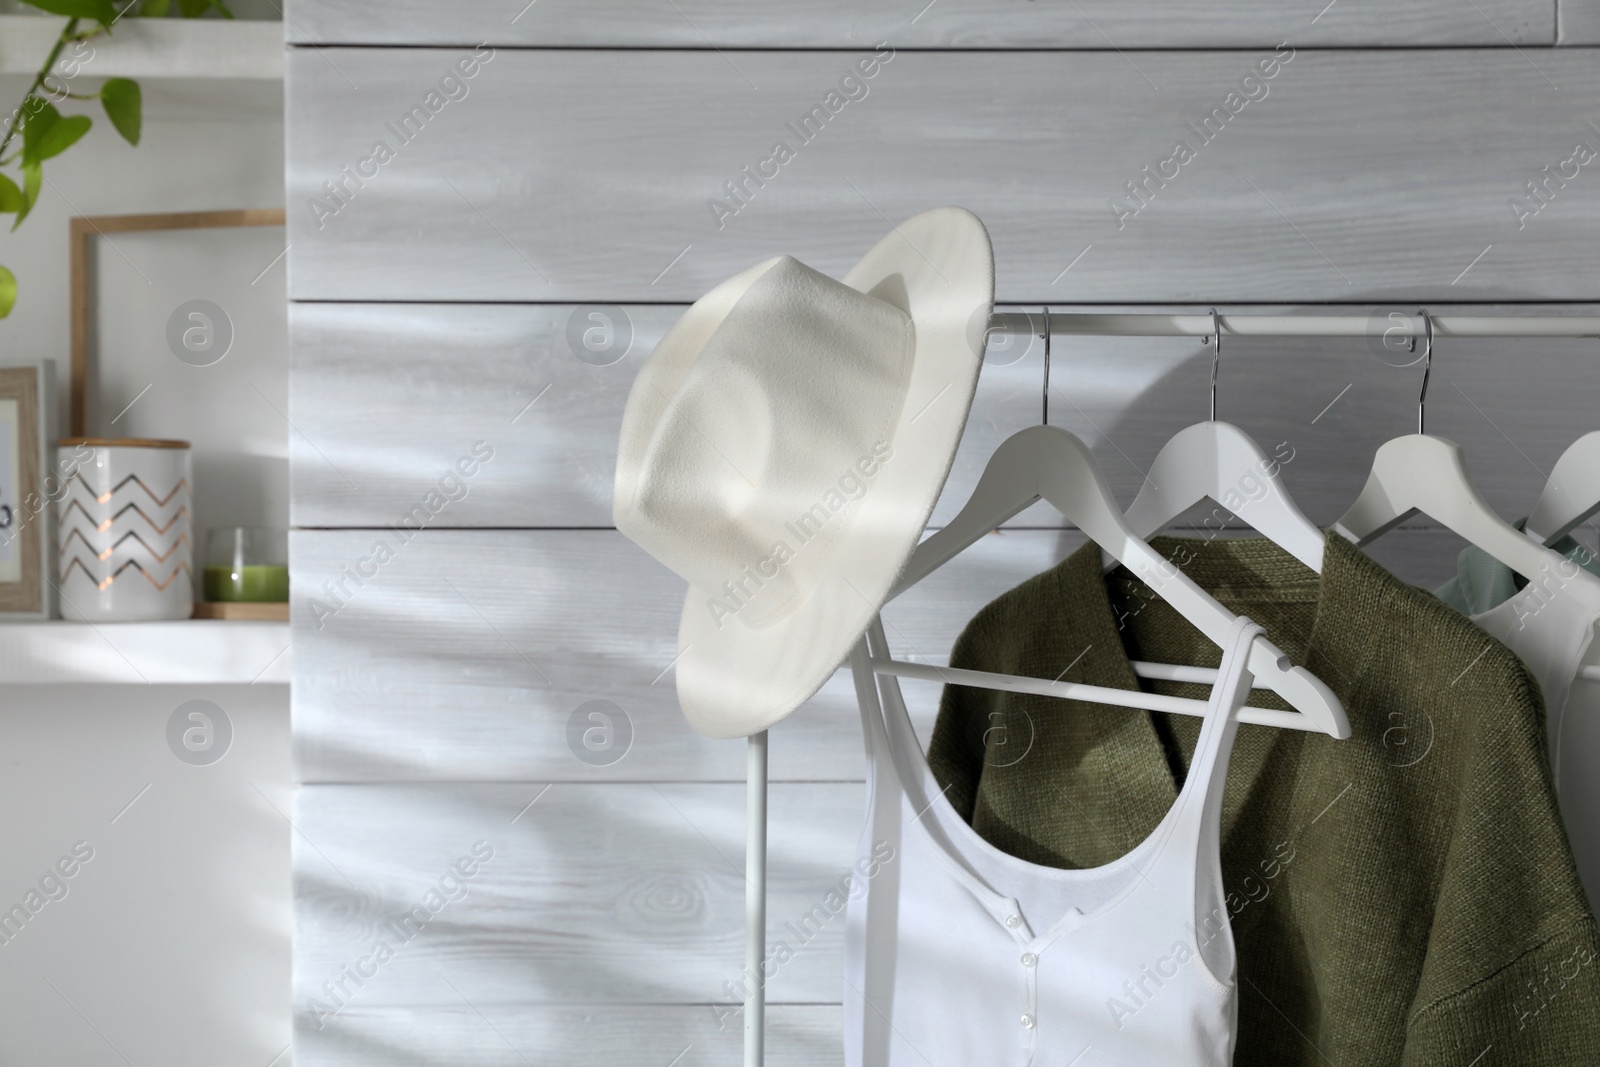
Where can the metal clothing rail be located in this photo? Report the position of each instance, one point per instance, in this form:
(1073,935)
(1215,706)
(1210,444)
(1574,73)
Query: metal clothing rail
(1136,324)
(1063,324)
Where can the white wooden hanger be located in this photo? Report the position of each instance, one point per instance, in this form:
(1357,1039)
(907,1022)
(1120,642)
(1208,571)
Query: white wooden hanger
(1220,462)
(1571,495)
(1048,463)
(1427,474)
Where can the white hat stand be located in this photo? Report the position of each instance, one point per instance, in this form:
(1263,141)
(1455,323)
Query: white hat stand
(755,898)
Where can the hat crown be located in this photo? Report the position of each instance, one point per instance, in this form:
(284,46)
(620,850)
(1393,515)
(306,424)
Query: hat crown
(770,414)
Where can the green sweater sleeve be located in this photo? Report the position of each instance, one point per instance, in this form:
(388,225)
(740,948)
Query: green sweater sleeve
(1540,1008)
(1512,970)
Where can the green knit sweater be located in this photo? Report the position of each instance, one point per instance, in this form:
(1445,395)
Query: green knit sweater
(1406,896)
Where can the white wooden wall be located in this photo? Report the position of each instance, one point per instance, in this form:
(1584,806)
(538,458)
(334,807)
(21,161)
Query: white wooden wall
(430,316)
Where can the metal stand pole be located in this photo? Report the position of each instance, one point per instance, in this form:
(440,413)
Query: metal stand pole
(755,899)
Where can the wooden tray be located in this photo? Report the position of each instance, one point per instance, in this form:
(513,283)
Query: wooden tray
(250,612)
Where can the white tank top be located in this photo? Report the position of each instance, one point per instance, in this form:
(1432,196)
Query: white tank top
(958,953)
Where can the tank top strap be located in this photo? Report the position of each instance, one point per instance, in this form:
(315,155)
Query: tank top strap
(1199,802)
(885,720)
(1228,695)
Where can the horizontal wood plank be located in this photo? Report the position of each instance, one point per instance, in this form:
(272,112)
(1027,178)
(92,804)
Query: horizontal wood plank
(581,893)
(440,386)
(1093,24)
(455,1033)
(388,399)
(1354,175)
(1577,22)
(475,656)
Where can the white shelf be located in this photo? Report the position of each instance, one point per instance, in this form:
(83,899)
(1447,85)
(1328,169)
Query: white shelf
(237,50)
(194,651)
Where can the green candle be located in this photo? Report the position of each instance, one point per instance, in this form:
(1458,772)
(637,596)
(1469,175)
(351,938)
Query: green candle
(252,583)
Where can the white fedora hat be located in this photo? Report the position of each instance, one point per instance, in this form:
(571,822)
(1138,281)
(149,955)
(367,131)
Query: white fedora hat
(782,449)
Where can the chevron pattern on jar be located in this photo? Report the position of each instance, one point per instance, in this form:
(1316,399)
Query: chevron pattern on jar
(129,531)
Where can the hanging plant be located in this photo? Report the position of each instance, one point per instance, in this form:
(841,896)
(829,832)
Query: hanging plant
(35,131)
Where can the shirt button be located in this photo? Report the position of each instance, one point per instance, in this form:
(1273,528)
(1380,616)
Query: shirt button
(1027,1022)
(1013,921)
(1029,959)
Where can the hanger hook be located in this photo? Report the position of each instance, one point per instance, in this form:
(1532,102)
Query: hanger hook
(1216,357)
(1427,364)
(1044,400)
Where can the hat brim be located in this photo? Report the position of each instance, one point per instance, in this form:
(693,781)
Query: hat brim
(736,680)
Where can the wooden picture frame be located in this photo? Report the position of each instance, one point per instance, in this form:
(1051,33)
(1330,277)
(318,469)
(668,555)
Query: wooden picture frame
(28,490)
(84,228)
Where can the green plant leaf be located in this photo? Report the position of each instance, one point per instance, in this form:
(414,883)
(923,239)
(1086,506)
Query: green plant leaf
(10,196)
(38,124)
(8,292)
(223,8)
(193,9)
(62,136)
(121,99)
(32,178)
(154,9)
(101,11)
(47,134)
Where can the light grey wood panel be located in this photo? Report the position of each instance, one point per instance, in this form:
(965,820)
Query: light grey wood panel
(584,175)
(471,654)
(637,1035)
(1094,24)
(387,398)
(1577,22)
(596,893)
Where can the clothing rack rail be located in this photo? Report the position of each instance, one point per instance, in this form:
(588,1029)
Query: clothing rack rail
(1022,323)
(1136,324)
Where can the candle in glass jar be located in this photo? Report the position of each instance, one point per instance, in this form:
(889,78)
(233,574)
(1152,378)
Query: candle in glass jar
(248,583)
(247,565)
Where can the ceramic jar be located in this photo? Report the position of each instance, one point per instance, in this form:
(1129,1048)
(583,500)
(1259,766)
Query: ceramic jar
(124,550)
